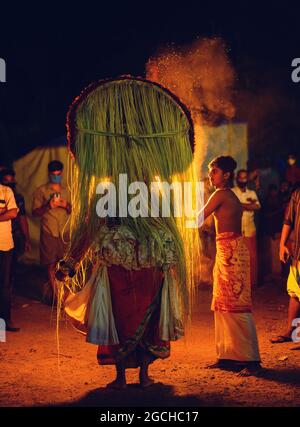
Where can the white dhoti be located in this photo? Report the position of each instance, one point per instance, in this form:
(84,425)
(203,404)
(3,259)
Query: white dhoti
(236,337)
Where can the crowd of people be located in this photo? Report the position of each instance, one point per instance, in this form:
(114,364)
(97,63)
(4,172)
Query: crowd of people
(273,187)
(51,203)
(264,215)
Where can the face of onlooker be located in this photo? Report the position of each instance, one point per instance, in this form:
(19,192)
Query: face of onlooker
(55,177)
(9,181)
(292,160)
(242,180)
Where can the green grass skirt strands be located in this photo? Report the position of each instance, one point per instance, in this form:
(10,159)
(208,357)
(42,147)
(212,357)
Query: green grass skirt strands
(134,127)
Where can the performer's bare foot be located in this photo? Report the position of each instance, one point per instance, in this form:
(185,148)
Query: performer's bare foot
(117,384)
(120,382)
(146,381)
(218,365)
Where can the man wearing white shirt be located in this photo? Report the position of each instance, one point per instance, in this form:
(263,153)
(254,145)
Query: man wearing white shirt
(8,211)
(250,203)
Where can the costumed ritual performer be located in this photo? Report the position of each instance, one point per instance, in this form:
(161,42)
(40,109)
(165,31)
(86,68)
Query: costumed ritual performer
(235,332)
(136,296)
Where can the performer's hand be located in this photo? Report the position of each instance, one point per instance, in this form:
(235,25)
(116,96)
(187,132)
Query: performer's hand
(65,270)
(283,253)
(60,276)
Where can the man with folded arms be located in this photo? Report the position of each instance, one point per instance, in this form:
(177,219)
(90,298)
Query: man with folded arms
(8,211)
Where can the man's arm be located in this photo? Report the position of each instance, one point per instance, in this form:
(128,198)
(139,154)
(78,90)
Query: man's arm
(213,203)
(253,203)
(8,215)
(39,207)
(39,212)
(283,250)
(65,205)
(288,225)
(25,230)
(210,207)
(253,206)
(11,210)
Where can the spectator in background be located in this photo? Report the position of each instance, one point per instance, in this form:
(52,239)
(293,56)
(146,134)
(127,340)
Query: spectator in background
(253,176)
(20,229)
(292,174)
(291,223)
(272,218)
(285,193)
(8,211)
(250,204)
(273,212)
(267,176)
(51,203)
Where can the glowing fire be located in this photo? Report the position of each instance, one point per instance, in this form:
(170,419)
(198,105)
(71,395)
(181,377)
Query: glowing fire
(201,76)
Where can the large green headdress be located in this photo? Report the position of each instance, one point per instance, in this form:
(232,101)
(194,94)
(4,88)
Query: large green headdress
(135,127)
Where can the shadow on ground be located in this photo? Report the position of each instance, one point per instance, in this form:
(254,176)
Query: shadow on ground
(157,395)
(283,376)
(30,281)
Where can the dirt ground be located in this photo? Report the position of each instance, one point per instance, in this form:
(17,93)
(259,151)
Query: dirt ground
(32,375)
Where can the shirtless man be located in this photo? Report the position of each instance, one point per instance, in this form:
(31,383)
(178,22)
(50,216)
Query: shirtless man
(235,333)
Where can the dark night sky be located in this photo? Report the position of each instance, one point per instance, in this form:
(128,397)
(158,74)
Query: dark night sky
(52,52)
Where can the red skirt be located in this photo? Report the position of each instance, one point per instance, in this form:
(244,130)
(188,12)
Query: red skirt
(136,298)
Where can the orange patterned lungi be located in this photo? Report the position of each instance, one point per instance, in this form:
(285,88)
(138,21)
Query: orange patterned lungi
(235,331)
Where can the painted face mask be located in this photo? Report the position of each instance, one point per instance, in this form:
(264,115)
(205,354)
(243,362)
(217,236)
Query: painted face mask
(55,179)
